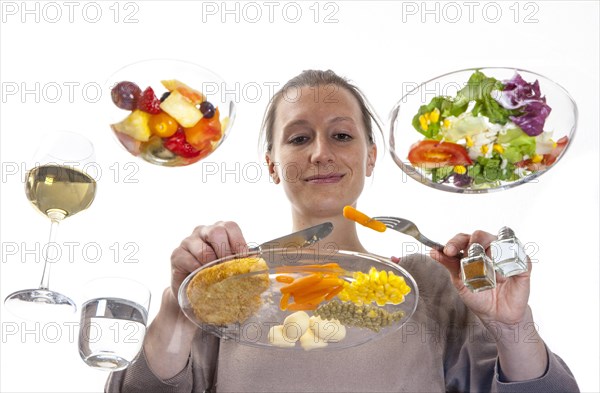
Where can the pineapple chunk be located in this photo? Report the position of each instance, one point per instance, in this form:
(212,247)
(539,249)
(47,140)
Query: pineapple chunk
(194,96)
(181,109)
(135,125)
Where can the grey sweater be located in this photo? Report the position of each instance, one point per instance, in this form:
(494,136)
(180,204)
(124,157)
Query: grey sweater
(442,348)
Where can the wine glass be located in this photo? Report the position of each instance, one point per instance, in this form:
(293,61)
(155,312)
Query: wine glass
(59,186)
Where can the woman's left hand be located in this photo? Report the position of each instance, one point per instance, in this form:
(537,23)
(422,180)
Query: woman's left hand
(505,304)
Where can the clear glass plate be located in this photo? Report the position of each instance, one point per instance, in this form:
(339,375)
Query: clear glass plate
(254,331)
(562,121)
(150,73)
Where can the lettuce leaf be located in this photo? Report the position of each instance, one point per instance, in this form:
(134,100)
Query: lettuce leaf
(446,107)
(489,171)
(479,88)
(519,144)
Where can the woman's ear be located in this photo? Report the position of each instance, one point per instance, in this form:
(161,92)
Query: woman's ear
(371,158)
(272,172)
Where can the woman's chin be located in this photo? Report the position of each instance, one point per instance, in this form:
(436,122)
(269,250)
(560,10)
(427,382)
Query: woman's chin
(324,207)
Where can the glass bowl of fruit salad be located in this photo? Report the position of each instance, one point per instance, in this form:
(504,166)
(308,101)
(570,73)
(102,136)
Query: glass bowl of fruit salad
(169,112)
(481,130)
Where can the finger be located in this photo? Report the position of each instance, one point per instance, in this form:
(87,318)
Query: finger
(237,242)
(458,243)
(483,238)
(225,238)
(201,251)
(182,264)
(449,262)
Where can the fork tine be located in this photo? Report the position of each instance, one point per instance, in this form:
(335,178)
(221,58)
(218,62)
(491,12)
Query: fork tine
(385,219)
(389,224)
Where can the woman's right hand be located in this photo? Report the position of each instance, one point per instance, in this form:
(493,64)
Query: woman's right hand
(206,244)
(169,337)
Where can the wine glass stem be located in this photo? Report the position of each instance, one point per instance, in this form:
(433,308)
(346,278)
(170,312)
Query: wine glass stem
(46,275)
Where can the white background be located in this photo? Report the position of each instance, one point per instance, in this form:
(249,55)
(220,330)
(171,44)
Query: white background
(144,211)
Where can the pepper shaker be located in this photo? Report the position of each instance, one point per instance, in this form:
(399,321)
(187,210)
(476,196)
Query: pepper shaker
(477,269)
(508,253)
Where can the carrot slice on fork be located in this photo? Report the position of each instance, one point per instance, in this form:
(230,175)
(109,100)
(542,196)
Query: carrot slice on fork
(361,218)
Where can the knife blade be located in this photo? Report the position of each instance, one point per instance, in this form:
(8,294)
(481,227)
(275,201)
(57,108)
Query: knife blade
(303,238)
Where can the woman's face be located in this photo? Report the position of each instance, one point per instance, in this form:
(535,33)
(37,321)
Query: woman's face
(320,151)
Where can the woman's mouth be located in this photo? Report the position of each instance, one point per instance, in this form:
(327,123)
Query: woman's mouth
(325,179)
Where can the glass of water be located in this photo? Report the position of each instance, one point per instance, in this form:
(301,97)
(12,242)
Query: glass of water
(113,322)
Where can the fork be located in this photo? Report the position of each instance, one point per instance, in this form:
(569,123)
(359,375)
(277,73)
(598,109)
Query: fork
(409,228)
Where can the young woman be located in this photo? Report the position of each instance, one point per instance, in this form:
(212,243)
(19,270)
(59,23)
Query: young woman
(455,341)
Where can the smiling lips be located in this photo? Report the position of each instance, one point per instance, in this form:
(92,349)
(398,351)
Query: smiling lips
(325,179)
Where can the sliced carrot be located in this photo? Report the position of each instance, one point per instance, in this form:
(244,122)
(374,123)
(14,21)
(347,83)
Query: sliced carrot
(284,279)
(312,297)
(361,218)
(302,306)
(333,267)
(334,292)
(283,303)
(325,283)
(302,282)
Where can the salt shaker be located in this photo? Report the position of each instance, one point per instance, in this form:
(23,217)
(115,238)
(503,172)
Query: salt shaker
(477,269)
(508,253)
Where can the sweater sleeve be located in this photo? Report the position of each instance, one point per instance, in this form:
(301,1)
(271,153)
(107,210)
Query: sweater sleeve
(558,378)
(197,376)
(139,378)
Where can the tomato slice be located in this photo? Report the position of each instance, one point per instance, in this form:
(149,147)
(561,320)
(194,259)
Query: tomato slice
(432,154)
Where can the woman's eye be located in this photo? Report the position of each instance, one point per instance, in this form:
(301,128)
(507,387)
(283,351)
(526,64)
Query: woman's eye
(341,136)
(298,140)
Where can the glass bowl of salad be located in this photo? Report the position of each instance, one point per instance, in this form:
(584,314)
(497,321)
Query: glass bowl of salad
(168,112)
(482,130)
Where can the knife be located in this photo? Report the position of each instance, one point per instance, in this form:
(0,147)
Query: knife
(303,238)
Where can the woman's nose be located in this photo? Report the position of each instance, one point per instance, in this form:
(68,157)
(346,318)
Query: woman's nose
(322,152)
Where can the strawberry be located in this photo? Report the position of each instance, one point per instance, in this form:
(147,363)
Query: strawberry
(178,145)
(148,102)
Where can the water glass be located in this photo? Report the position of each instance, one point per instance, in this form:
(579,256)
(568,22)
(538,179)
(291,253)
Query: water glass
(113,322)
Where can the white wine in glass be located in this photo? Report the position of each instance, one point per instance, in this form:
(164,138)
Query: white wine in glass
(59,186)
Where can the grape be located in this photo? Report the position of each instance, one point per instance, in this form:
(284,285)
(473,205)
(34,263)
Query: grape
(165,95)
(207,109)
(125,95)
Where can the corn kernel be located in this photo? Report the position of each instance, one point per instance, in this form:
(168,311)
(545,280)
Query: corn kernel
(469,141)
(461,170)
(537,158)
(484,149)
(383,277)
(423,123)
(435,115)
(498,148)
(446,123)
